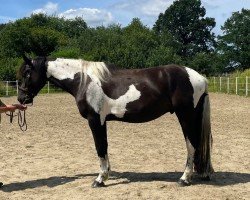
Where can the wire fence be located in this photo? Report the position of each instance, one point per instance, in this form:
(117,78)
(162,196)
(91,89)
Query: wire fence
(236,85)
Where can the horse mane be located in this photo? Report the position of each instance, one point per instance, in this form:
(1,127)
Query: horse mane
(96,70)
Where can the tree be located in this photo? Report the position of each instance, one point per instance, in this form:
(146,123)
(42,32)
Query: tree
(129,47)
(39,34)
(234,45)
(14,40)
(43,41)
(101,43)
(138,42)
(185,20)
(70,27)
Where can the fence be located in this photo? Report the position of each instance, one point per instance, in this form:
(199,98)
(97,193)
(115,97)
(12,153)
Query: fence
(237,85)
(10,88)
(230,85)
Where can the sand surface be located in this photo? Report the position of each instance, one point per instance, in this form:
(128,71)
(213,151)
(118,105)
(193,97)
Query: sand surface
(56,159)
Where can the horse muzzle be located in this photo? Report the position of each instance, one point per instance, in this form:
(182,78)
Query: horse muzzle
(24,96)
(25,99)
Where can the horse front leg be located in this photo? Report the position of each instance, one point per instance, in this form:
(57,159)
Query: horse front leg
(99,132)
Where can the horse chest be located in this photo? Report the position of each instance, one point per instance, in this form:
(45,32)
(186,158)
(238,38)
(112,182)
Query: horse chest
(104,105)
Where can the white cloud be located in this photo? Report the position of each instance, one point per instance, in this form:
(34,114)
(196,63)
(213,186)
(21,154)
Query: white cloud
(144,7)
(154,8)
(49,8)
(93,16)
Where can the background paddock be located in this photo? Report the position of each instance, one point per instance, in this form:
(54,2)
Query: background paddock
(56,158)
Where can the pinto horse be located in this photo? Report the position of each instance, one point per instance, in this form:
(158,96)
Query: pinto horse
(104,92)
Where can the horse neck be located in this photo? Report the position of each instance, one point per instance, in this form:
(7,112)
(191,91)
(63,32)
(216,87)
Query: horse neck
(65,76)
(66,85)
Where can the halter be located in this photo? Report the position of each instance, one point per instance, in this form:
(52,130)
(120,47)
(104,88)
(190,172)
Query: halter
(25,89)
(28,93)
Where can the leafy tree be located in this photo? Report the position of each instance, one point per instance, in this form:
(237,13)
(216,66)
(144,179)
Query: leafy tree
(165,52)
(39,34)
(14,40)
(8,68)
(70,27)
(185,20)
(43,41)
(163,55)
(101,43)
(128,47)
(207,63)
(234,45)
(138,43)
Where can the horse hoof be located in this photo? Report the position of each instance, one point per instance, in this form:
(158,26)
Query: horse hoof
(96,184)
(1,184)
(183,183)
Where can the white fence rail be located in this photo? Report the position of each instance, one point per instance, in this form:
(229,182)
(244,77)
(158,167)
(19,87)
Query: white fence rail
(10,88)
(237,85)
(230,85)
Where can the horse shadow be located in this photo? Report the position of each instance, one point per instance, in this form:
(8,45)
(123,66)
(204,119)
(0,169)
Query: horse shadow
(218,179)
(49,182)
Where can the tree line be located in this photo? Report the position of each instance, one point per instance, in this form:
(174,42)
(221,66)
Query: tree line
(181,35)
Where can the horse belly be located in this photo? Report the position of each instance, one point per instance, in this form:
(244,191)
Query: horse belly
(137,113)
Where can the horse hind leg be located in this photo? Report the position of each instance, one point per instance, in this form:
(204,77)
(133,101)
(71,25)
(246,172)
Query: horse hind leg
(195,123)
(185,117)
(186,178)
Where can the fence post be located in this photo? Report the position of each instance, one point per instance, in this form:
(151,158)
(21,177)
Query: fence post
(246,85)
(48,87)
(228,84)
(214,84)
(220,84)
(236,85)
(17,87)
(7,88)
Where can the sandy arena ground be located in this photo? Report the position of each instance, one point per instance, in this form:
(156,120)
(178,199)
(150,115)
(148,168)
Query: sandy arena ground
(56,159)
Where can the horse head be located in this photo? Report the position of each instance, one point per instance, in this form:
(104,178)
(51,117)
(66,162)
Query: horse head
(33,78)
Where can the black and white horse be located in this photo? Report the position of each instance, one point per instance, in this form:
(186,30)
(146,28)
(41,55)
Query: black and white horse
(104,92)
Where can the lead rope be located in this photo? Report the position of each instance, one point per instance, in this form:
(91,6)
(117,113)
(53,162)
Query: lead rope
(21,119)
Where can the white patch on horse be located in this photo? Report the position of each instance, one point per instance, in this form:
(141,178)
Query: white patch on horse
(199,84)
(187,175)
(105,168)
(63,68)
(67,69)
(104,105)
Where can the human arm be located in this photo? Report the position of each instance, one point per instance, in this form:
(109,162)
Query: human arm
(11,108)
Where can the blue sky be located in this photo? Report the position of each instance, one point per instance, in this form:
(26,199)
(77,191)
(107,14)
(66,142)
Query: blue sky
(104,12)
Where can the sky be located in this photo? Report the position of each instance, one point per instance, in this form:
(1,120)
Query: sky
(104,12)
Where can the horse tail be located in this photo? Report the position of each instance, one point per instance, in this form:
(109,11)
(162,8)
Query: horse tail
(202,157)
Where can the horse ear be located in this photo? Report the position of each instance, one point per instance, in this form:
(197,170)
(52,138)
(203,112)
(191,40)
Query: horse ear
(27,60)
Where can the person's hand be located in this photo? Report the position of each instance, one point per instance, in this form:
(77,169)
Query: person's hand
(20,106)
(11,108)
